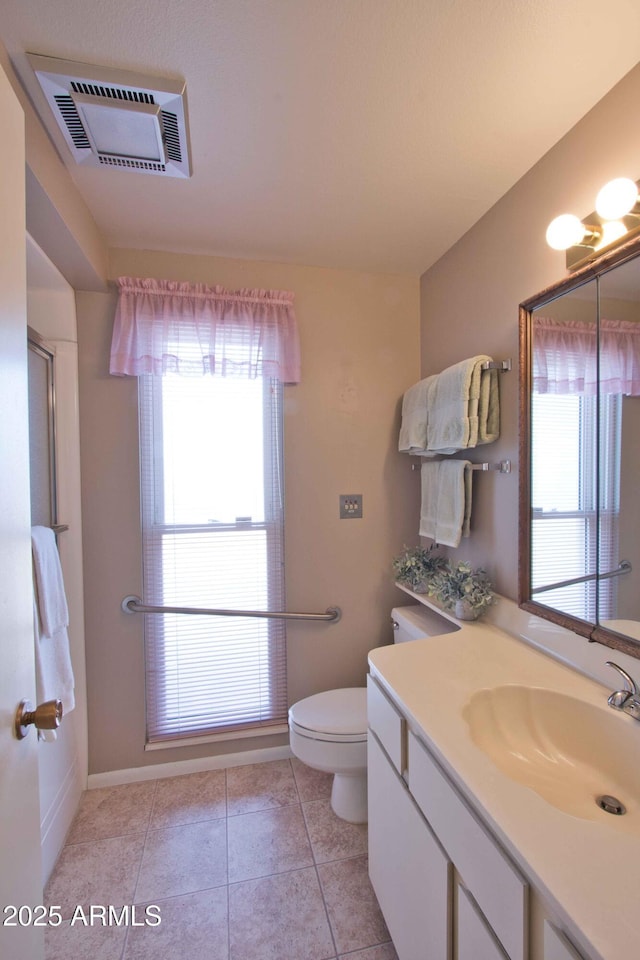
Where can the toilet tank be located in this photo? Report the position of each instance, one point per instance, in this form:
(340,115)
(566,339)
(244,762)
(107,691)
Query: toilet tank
(415,621)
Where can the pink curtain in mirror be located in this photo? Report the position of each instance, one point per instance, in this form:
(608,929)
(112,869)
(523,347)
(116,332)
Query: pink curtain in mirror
(163,326)
(565,357)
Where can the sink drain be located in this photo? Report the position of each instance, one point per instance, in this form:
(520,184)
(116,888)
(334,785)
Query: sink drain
(611,805)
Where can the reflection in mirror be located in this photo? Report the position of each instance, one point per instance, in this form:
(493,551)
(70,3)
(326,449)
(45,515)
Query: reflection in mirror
(619,360)
(42,440)
(564,539)
(579,451)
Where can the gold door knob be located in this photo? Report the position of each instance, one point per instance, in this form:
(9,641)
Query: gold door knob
(46,716)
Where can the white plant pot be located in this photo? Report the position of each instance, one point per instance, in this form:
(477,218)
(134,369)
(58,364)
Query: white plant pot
(465,611)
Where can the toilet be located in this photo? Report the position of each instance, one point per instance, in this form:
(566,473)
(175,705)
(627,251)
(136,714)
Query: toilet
(328,731)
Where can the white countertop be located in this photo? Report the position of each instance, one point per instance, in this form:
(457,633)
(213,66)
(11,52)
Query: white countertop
(588,872)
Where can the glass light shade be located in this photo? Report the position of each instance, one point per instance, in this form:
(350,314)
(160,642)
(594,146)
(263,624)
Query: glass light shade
(616,198)
(612,230)
(565,231)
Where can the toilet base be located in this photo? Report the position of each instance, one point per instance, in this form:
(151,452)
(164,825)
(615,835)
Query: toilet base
(349,797)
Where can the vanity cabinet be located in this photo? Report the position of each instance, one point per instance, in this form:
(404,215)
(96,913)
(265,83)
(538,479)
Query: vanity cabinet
(489,876)
(409,871)
(447,889)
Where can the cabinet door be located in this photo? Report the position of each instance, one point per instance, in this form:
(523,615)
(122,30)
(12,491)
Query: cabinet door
(495,884)
(474,938)
(556,946)
(410,873)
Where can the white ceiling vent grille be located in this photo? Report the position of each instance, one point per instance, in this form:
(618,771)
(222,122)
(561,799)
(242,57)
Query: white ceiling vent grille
(114,118)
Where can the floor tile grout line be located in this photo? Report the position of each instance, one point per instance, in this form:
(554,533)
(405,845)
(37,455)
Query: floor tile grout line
(276,806)
(319,882)
(137,880)
(354,953)
(226,828)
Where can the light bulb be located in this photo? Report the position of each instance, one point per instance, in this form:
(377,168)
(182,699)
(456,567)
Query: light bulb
(611,230)
(616,198)
(565,231)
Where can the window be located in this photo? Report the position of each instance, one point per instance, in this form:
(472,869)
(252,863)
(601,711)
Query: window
(212,518)
(566,542)
(211,364)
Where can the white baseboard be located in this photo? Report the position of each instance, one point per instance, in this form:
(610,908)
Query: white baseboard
(113,778)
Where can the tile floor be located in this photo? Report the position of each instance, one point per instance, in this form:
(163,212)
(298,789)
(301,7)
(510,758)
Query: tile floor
(248,863)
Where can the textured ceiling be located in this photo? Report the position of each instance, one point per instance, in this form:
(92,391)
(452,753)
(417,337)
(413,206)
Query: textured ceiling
(359,134)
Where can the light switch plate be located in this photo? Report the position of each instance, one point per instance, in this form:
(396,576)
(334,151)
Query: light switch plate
(350,506)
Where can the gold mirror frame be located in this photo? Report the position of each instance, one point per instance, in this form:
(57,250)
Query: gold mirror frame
(593,632)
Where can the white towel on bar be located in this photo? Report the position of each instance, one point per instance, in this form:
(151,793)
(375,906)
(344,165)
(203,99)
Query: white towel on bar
(54,672)
(415,410)
(445,506)
(453,409)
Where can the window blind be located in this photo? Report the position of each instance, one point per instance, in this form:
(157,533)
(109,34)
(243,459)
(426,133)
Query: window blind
(212,523)
(570,537)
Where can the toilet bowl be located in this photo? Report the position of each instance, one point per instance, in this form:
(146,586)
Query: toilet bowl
(328,731)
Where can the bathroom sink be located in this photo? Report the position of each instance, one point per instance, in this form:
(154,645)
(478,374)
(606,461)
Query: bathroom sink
(568,751)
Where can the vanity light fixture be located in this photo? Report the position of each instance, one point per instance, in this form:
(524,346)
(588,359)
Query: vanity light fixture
(616,218)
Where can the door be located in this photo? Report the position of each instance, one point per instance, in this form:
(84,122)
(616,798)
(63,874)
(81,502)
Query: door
(20,869)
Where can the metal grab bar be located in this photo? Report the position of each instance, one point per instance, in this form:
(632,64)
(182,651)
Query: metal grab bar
(134,604)
(623,567)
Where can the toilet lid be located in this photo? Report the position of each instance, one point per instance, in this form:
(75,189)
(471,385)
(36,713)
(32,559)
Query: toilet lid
(341,713)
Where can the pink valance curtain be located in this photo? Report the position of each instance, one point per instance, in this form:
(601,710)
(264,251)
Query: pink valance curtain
(162,326)
(565,357)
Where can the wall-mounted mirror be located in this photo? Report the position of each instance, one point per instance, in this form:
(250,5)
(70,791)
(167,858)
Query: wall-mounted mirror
(580,451)
(42,431)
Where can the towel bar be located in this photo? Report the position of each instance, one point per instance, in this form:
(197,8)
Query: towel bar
(503,466)
(503,365)
(134,604)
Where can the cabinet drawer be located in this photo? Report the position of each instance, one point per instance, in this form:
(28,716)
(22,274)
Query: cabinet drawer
(387,723)
(495,884)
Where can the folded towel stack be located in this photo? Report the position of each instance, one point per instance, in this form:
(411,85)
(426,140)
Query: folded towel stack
(445,512)
(451,411)
(54,673)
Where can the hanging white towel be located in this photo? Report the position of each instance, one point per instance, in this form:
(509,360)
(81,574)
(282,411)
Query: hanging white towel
(415,413)
(445,508)
(54,672)
(453,410)
(429,481)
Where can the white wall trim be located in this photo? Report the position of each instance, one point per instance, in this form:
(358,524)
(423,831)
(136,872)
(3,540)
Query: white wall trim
(217,737)
(112,778)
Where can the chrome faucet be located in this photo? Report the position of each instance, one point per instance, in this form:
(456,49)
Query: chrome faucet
(627,700)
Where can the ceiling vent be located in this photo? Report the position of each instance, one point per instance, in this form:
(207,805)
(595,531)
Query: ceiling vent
(114,118)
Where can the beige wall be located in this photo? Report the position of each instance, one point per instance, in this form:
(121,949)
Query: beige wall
(470,298)
(359,338)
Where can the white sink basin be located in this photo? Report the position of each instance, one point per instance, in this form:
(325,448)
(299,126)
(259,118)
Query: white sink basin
(567,750)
